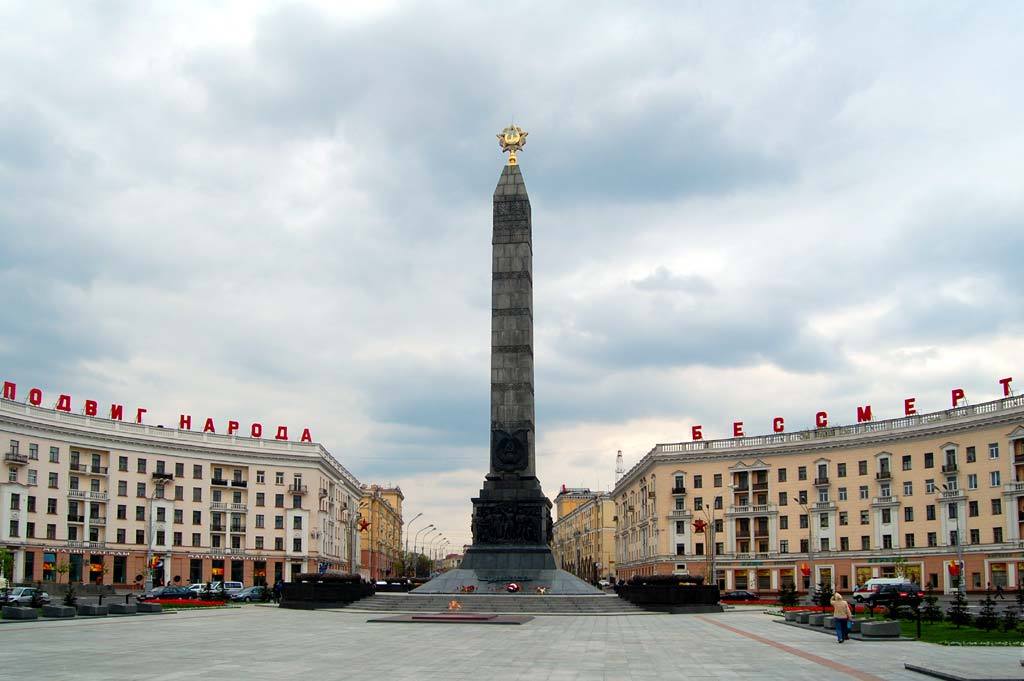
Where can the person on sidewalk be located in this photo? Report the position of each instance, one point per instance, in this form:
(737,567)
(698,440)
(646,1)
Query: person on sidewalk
(999,591)
(841,615)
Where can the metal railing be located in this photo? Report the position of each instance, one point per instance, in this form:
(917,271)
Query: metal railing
(298,489)
(14,457)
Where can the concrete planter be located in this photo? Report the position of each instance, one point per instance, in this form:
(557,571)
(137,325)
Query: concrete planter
(14,612)
(816,619)
(802,617)
(855,626)
(880,629)
(149,607)
(791,615)
(92,610)
(123,609)
(829,622)
(58,611)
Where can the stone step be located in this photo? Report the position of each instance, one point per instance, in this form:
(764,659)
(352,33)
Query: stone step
(498,604)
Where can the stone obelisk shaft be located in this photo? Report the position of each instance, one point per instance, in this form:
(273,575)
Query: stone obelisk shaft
(512,409)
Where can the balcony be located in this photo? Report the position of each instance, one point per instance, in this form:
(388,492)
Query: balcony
(949,468)
(1018,458)
(239,483)
(239,508)
(97,520)
(166,477)
(740,487)
(323,493)
(76,467)
(752,509)
(953,494)
(14,457)
(79,544)
(219,481)
(238,529)
(1016,487)
(87,494)
(219,505)
(298,489)
(218,528)
(883,475)
(889,500)
(759,487)
(679,514)
(679,489)
(72,518)
(822,482)
(823,506)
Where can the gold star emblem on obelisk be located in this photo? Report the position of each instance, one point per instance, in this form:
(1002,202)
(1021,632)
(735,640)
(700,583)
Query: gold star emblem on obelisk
(512,139)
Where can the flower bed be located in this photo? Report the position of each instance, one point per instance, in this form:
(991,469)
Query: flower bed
(821,608)
(187,602)
(726,601)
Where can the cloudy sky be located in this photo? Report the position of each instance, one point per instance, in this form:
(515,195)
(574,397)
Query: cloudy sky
(281,213)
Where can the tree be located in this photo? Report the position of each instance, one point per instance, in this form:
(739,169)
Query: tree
(931,611)
(823,594)
(1009,621)
(6,569)
(62,569)
(899,567)
(788,595)
(987,618)
(957,613)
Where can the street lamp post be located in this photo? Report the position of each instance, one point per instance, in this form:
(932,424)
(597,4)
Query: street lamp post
(960,586)
(408,528)
(416,540)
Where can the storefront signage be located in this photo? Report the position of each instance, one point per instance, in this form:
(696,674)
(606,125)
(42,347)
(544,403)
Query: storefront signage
(91,408)
(957,396)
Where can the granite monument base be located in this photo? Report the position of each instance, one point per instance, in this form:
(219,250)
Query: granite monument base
(490,569)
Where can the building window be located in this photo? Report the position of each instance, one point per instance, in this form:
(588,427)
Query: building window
(886,541)
(698,481)
(952,511)
(122,463)
(802,496)
(865,543)
(179,493)
(841,470)
(260,519)
(297,501)
(972,455)
(844,518)
(864,518)
(278,522)
(259,542)
(993,450)
(179,516)
(680,504)
(972,509)
(161,514)
(197,471)
(161,467)
(279,543)
(54,455)
(698,503)
(718,502)
(297,545)
(197,517)
(197,494)
(997,535)
(177,539)
(140,512)
(278,478)
(803,546)
(782,475)
(863,491)
(886,516)
(783,547)
(260,476)
(197,539)
(929,486)
(279,501)
(994,478)
(823,520)
(33,452)
(260,498)
(783,522)
(783,499)
(842,494)
(844,543)
(51,480)
(929,460)
(33,476)
(140,466)
(975,536)
(680,549)
(179,470)
(140,489)
(140,536)
(824,544)
(997,507)
(862,467)
(803,521)
(908,513)
(718,479)
(972,481)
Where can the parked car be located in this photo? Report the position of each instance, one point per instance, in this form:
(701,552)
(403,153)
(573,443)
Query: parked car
(22,595)
(740,596)
(167,592)
(863,591)
(603,583)
(228,587)
(904,594)
(251,593)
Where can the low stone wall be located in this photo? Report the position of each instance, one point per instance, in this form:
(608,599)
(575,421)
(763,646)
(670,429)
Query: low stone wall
(92,610)
(59,611)
(311,595)
(887,629)
(123,609)
(13,612)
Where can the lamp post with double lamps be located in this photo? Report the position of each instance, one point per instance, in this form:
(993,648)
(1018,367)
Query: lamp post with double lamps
(948,492)
(427,541)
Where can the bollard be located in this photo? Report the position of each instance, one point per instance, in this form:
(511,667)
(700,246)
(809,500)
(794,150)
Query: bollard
(101,598)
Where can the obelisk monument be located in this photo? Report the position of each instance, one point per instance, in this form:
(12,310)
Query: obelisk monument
(511,515)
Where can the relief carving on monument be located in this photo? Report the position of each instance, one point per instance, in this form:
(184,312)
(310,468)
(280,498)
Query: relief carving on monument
(508,523)
(510,452)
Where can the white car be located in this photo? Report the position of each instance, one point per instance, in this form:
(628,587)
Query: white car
(22,595)
(229,587)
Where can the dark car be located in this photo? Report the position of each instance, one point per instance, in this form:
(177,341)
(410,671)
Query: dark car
(166,592)
(252,593)
(740,596)
(894,596)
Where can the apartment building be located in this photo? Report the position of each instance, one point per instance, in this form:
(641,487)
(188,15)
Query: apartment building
(380,529)
(91,500)
(583,536)
(843,504)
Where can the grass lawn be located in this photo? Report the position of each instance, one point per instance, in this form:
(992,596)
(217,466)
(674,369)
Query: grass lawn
(947,633)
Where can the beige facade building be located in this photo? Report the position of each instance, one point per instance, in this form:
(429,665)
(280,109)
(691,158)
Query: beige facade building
(380,529)
(584,535)
(837,504)
(107,498)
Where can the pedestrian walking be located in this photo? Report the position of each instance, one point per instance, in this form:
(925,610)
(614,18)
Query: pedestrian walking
(999,592)
(841,615)
(278,588)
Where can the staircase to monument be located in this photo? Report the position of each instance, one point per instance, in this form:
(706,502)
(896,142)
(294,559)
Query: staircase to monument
(600,604)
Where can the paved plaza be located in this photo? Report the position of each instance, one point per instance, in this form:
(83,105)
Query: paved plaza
(266,642)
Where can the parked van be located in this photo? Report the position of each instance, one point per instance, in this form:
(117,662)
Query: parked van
(865,590)
(229,587)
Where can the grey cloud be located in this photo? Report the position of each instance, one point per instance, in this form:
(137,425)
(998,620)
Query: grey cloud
(662,279)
